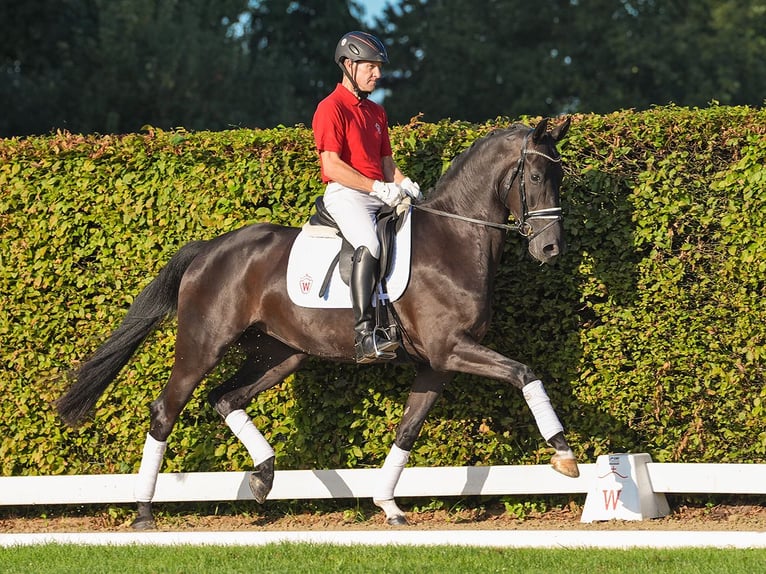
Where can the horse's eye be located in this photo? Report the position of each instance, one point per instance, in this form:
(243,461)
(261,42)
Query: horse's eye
(535,177)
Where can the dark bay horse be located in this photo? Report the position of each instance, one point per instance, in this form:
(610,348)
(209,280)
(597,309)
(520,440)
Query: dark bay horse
(232,290)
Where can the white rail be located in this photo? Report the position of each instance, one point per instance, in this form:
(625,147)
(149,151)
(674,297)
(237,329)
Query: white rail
(358,483)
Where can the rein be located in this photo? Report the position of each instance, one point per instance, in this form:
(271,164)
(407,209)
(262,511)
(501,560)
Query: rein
(504,226)
(522,226)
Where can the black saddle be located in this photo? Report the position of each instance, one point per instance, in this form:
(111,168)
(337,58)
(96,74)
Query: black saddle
(388,222)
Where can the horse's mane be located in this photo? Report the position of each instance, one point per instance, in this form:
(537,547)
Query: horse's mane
(471,162)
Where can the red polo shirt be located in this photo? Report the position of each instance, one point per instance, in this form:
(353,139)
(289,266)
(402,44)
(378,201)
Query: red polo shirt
(357,130)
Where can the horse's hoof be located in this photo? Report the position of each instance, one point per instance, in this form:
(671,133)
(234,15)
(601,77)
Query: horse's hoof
(145,518)
(565,465)
(394,515)
(144,523)
(261,480)
(398,520)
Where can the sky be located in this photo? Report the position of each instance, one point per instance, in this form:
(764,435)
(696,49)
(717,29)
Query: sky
(374,8)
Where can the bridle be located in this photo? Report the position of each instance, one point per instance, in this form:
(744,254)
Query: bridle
(522,226)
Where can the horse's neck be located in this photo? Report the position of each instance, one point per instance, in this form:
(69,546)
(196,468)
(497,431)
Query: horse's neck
(472,241)
(479,201)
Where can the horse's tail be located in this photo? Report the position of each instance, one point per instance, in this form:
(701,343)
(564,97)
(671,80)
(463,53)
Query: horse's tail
(158,300)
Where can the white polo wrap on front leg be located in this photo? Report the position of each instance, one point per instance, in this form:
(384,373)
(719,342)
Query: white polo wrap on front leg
(151,460)
(540,405)
(390,472)
(244,429)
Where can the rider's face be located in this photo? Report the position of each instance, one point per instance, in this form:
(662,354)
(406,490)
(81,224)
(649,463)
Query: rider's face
(366,74)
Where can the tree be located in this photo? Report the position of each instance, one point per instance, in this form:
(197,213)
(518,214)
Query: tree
(471,60)
(163,63)
(291,47)
(477,59)
(117,65)
(44,52)
(647,52)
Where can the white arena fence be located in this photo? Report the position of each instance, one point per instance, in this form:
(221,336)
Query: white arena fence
(648,480)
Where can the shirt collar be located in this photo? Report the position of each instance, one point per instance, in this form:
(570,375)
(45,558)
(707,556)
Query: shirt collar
(348,96)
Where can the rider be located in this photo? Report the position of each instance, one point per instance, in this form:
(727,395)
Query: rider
(351,135)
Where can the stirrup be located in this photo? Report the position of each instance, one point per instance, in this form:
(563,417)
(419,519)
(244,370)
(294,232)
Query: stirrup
(384,341)
(376,353)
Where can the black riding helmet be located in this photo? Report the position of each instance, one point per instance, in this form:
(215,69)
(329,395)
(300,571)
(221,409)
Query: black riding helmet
(359,47)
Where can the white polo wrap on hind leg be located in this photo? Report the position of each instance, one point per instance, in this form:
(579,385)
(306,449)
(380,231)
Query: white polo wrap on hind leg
(390,472)
(540,405)
(151,460)
(244,429)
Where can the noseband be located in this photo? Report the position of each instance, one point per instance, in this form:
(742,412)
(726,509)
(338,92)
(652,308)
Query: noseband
(523,226)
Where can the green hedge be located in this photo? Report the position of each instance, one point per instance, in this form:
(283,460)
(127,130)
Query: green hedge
(648,332)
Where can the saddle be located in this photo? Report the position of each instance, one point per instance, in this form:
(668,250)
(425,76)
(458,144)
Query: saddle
(387,223)
(315,263)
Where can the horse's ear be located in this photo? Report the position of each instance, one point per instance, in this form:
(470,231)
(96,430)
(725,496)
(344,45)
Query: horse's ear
(540,130)
(561,130)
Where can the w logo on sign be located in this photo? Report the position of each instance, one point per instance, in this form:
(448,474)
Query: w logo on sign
(611,498)
(305,283)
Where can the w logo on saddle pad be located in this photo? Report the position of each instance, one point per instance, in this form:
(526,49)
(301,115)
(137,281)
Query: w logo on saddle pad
(313,259)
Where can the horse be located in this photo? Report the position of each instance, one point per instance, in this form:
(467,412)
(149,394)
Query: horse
(231,290)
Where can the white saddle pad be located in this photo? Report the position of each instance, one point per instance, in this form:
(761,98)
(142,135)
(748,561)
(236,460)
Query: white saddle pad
(311,256)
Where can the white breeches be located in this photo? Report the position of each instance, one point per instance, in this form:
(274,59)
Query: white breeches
(354,212)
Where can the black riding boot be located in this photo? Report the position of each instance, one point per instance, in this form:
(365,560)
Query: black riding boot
(369,347)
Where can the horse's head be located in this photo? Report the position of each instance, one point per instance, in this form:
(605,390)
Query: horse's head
(532,191)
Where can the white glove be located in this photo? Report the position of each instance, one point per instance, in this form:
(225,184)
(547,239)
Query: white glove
(411,188)
(389,193)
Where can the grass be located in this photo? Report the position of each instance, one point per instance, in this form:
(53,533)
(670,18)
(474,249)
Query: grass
(315,558)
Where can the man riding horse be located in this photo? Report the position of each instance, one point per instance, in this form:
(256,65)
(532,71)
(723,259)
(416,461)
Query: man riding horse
(232,290)
(351,135)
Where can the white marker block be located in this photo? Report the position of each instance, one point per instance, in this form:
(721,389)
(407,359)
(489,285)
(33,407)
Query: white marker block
(622,490)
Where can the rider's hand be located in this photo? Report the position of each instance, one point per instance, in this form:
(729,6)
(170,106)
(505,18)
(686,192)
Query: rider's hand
(411,188)
(389,193)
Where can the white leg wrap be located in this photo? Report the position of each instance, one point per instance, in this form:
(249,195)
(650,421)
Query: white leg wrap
(390,473)
(244,429)
(540,405)
(151,460)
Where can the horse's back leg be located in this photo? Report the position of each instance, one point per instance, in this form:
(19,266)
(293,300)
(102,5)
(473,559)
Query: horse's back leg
(164,413)
(198,350)
(268,362)
(261,369)
(426,389)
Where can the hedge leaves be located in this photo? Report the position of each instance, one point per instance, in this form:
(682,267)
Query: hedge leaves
(649,332)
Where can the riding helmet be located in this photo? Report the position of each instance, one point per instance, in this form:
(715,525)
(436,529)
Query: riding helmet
(360,46)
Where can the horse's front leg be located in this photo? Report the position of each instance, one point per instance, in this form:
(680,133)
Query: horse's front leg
(468,356)
(426,388)
(550,427)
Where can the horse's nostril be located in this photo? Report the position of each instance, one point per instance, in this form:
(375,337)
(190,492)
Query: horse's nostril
(551,250)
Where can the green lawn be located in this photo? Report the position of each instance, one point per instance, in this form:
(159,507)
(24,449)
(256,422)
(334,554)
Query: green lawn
(311,558)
